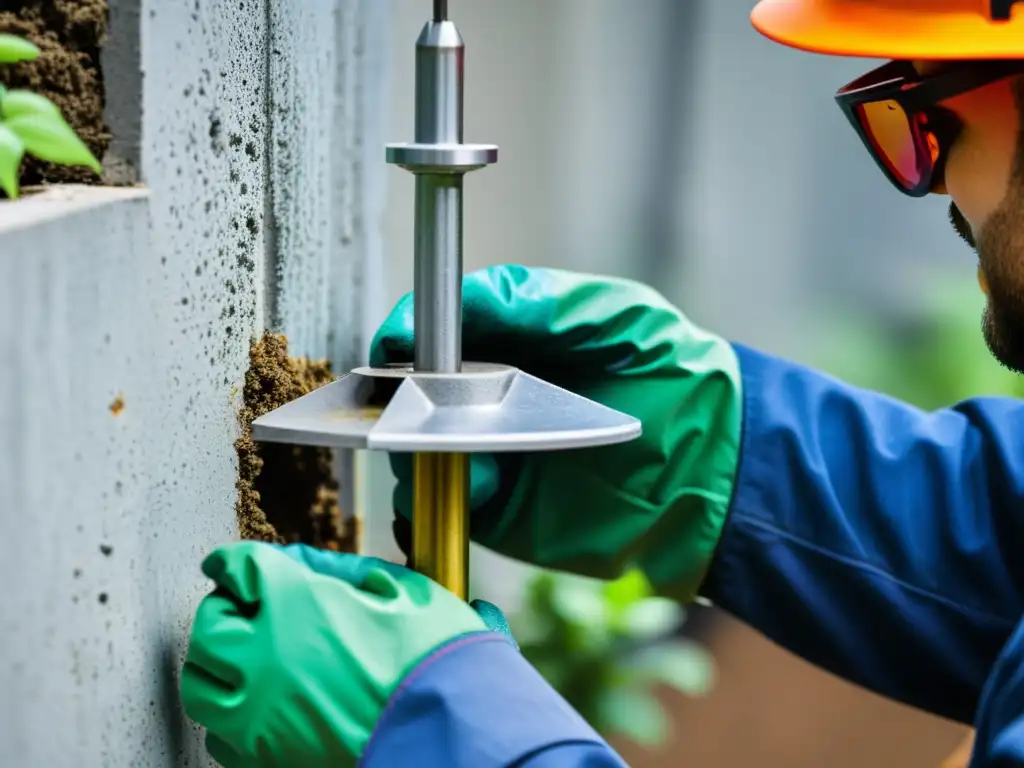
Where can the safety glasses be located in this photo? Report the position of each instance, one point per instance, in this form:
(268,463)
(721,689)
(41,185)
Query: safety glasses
(897,114)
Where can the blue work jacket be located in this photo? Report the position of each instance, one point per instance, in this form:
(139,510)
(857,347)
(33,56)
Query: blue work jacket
(878,541)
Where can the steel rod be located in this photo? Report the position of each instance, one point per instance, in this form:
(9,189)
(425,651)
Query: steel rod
(437,277)
(437,250)
(440,531)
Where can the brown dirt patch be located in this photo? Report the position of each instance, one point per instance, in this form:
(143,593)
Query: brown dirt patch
(286,493)
(69,34)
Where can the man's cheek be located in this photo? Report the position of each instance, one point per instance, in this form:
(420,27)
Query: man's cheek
(965,187)
(978,174)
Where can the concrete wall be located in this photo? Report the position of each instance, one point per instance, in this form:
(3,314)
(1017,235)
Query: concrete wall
(125,321)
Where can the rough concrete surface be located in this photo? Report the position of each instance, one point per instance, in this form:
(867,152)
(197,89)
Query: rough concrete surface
(89,642)
(125,325)
(327,83)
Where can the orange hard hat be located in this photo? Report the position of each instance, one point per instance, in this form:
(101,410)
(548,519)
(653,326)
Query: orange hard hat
(897,29)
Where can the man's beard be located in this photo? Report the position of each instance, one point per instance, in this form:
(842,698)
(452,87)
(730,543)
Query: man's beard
(1000,247)
(999,244)
(961,225)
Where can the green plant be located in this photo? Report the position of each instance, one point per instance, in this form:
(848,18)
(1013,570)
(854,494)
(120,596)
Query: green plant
(940,360)
(606,646)
(32,123)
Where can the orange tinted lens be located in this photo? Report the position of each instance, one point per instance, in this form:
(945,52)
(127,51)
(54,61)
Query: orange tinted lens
(888,128)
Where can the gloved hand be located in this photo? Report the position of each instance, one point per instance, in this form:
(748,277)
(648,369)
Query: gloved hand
(658,502)
(295,654)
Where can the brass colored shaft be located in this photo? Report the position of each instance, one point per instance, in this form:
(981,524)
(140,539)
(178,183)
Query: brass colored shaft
(440,519)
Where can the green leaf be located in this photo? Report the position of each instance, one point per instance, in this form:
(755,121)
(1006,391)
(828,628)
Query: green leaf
(579,601)
(14,48)
(681,665)
(650,619)
(532,627)
(634,714)
(12,149)
(16,103)
(50,138)
(628,589)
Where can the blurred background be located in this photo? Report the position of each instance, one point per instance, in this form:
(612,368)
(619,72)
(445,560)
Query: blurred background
(668,142)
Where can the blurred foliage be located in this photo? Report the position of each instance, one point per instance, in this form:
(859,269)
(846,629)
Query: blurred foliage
(606,646)
(932,358)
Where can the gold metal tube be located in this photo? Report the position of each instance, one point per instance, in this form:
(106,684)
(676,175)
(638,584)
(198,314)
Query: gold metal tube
(440,519)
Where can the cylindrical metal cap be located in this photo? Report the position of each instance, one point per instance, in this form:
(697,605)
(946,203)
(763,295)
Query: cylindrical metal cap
(439,61)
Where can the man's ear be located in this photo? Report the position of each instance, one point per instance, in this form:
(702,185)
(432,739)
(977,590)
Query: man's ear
(1018,97)
(1018,92)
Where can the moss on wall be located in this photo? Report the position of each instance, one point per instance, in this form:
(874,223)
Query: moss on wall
(69,35)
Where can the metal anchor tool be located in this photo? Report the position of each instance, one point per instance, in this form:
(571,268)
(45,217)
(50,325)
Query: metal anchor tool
(440,408)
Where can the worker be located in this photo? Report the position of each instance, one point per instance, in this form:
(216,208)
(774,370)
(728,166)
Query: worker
(878,541)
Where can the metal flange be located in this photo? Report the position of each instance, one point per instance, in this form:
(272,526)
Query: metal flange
(442,158)
(485,408)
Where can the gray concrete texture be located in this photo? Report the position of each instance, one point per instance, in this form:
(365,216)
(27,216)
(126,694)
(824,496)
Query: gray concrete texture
(125,322)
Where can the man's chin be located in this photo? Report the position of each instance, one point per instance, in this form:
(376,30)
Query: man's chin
(1004,341)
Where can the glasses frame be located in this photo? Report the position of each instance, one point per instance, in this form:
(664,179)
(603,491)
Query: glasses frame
(898,81)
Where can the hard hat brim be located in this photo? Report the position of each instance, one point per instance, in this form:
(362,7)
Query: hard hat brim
(898,30)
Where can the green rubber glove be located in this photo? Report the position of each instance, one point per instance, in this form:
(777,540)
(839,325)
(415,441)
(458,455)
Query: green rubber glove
(296,652)
(658,502)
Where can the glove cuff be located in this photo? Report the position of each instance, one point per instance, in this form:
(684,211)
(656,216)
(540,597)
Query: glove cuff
(659,503)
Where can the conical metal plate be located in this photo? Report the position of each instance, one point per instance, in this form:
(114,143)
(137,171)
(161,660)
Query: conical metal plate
(337,415)
(486,408)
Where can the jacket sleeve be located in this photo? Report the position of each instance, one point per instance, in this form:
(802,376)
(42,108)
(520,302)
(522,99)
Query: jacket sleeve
(477,703)
(999,740)
(878,541)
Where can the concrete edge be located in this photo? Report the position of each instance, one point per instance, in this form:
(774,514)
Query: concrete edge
(61,200)
(121,60)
